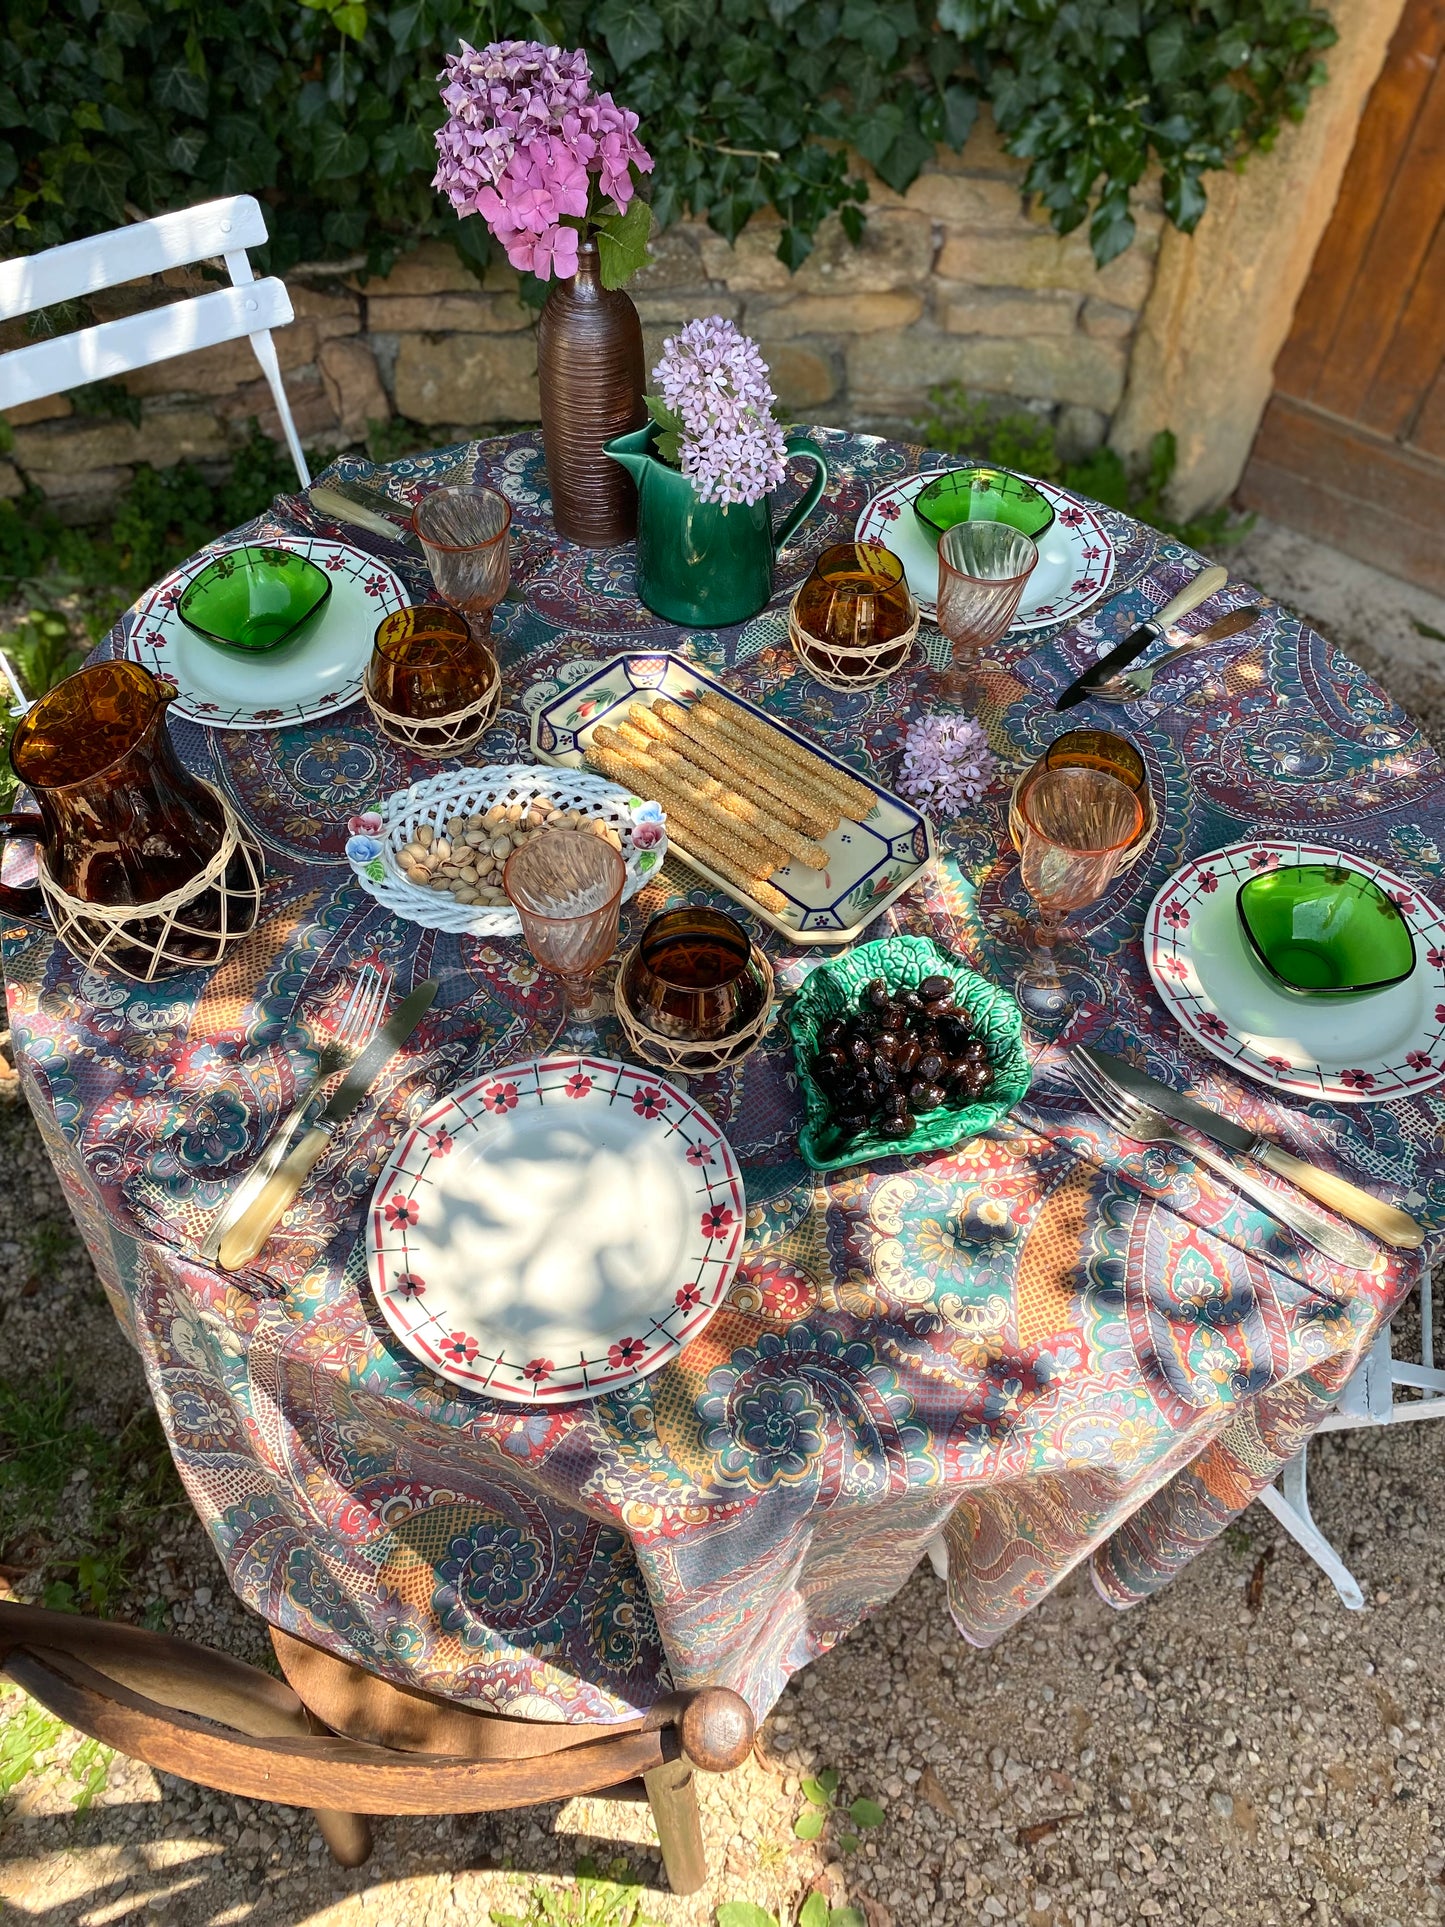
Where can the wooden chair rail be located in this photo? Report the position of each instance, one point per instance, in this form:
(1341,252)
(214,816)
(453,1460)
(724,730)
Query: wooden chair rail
(205,1717)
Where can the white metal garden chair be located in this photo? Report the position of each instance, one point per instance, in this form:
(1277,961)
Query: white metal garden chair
(248,308)
(1368,1399)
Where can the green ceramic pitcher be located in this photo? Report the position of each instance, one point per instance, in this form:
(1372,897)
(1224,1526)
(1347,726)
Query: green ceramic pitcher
(699,563)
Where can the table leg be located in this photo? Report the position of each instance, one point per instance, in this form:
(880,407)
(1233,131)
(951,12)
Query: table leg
(673,1799)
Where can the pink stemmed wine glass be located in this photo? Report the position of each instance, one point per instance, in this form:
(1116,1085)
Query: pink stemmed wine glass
(1077,825)
(566,886)
(982,570)
(464,532)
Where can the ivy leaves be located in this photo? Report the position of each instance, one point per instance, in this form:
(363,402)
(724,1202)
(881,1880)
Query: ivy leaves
(327,108)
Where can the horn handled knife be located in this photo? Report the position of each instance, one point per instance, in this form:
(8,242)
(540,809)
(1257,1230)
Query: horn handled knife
(251,1230)
(1370,1213)
(1208,582)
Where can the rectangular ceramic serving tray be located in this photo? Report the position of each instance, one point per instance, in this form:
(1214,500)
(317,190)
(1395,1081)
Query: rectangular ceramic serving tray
(870,864)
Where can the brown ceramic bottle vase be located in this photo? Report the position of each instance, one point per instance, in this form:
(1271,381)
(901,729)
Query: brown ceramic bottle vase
(589,368)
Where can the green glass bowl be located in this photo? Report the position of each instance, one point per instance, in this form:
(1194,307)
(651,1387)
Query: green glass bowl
(1324,931)
(833,990)
(975,493)
(253,599)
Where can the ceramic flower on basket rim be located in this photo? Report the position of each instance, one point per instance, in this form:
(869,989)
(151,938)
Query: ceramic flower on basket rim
(716,413)
(529,146)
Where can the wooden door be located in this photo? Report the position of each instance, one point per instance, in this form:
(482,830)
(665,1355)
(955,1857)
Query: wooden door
(1352,445)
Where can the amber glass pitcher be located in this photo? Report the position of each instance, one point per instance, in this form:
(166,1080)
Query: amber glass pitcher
(120,821)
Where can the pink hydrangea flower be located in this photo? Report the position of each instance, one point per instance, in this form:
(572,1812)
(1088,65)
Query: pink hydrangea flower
(523,139)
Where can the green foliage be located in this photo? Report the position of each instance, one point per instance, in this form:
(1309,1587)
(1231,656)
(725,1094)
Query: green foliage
(814,1912)
(821,1795)
(78,1505)
(327,108)
(28,1734)
(600,1898)
(958,426)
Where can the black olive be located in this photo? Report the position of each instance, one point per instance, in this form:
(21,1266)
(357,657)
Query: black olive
(875,994)
(908,1054)
(976,1052)
(908,1000)
(831,1031)
(930,1065)
(860,1048)
(887,1046)
(926,1097)
(850,1123)
(935,986)
(976,1081)
(938,1006)
(897,1124)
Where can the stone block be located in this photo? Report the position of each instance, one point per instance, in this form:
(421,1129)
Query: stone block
(310,404)
(896,251)
(969,200)
(48,408)
(353,387)
(490,378)
(1106,322)
(83,496)
(11,482)
(224,368)
(471,314)
(672,310)
(893,373)
(434,267)
(804,374)
(833,314)
(1043,259)
(676,260)
(1079,431)
(162,437)
(330,311)
(1006,311)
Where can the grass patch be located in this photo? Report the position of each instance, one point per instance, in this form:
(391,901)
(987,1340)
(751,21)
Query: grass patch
(78,1505)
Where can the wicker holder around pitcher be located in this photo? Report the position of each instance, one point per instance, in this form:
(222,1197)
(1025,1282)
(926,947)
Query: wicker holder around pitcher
(435,737)
(694,1059)
(157,938)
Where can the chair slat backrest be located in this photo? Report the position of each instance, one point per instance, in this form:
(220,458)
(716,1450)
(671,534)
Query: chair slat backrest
(176,240)
(247,310)
(114,348)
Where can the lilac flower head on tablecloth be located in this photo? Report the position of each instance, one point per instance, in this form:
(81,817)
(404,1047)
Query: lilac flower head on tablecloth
(715,412)
(523,138)
(947,763)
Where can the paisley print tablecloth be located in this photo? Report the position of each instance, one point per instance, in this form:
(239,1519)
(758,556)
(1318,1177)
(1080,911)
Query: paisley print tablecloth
(1047,1346)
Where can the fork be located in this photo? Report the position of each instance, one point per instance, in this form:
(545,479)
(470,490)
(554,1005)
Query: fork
(354,1029)
(1135,1120)
(1131,684)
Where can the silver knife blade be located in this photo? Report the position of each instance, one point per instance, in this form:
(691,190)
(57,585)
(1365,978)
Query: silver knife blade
(393,1033)
(1184,1110)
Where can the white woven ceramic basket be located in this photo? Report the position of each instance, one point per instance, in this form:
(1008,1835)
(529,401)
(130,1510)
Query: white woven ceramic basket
(472,792)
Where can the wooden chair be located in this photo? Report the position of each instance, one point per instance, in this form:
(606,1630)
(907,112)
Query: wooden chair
(248,309)
(345,1744)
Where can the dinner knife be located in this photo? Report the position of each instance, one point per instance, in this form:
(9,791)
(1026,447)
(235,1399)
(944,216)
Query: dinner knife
(250,1232)
(1370,1213)
(1207,583)
(365,508)
(1135,683)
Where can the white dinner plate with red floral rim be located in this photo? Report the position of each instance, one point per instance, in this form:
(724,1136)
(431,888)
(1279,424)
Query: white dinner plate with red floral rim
(556,1230)
(316,674)
(1076,556)
(1353,1050)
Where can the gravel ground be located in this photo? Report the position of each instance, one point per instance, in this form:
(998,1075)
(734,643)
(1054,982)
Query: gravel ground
(1240,1750)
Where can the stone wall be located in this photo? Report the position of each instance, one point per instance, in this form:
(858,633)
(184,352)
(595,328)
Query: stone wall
(956,280)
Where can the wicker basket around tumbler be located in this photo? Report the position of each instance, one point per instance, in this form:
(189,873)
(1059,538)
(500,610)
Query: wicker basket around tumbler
(694,1059)
(861,668)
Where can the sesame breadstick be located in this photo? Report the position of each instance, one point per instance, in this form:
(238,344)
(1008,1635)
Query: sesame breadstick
(735,761)
(857,798)
(612,766)
(682,765)
(726,830)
